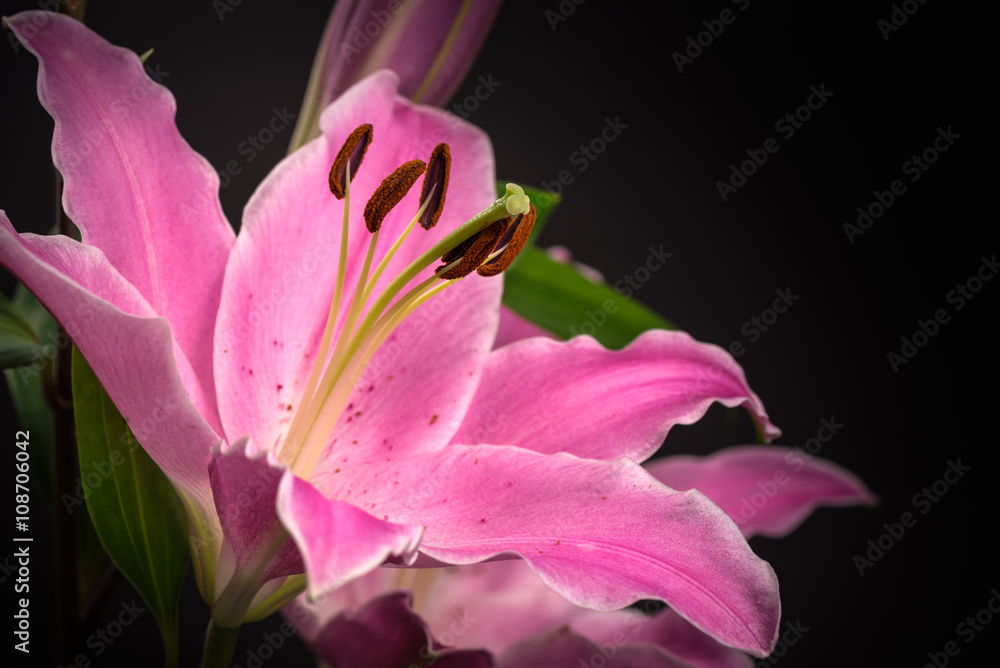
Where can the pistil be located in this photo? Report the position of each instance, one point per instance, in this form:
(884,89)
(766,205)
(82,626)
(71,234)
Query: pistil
(488,242)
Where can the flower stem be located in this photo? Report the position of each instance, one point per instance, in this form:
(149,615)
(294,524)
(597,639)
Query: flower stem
(220,645)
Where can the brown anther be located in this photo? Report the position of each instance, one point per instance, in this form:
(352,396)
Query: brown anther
(459,250)
(392,189)
(352,152)
(514,239)
(478,249)
(438,170)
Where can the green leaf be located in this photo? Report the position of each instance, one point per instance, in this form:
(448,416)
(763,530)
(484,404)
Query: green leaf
(27,386)
(19,343)
(34,415)
(556,297)
(136,511)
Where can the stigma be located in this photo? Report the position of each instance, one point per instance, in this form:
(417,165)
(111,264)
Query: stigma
(484,245)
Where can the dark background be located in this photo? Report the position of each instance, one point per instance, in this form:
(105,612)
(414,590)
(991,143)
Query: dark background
(656,185)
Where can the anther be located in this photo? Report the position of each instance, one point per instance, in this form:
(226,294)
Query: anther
(351,153)
(392,189)
(512,242)
(435,185)
(473,251)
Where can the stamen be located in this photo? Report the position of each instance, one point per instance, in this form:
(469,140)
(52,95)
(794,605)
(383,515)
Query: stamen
(331,318)
(435,185)
(513,243)
(478,250)
(393,189)
(482,238)
(350,156)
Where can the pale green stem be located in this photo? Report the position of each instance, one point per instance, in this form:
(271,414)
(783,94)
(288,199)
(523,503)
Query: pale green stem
(220,645)
(331,320)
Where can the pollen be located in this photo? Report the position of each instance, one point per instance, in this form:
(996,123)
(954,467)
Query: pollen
(478,249)
(391,191)
(512,243)
(351,153)
(435,185)
(362,318)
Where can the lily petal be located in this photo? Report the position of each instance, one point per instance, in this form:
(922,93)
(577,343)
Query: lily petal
(387,633)
(667,630)
(337,540)
(565,648)
(282,275)
(245,480)
(500,603)
(578,397)
(767,490)
(132,185)
(602,534)
(513,328)
(110,321)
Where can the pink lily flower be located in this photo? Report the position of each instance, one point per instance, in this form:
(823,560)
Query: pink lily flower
(505,609)
(318,420)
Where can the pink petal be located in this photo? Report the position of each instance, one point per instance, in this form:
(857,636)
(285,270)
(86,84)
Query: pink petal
(338,541)
(310,616)
(245,483)
(129,348)
(578,397)
(518,606)
(513,328)
(132,185)
(565,648)
(673,634)
(497,604)
(603,534)
(767,490)
(386,633)
(281,277)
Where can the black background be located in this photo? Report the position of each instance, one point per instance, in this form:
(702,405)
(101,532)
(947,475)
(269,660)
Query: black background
(656,185)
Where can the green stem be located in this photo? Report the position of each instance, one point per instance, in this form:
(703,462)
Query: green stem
(220,645)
